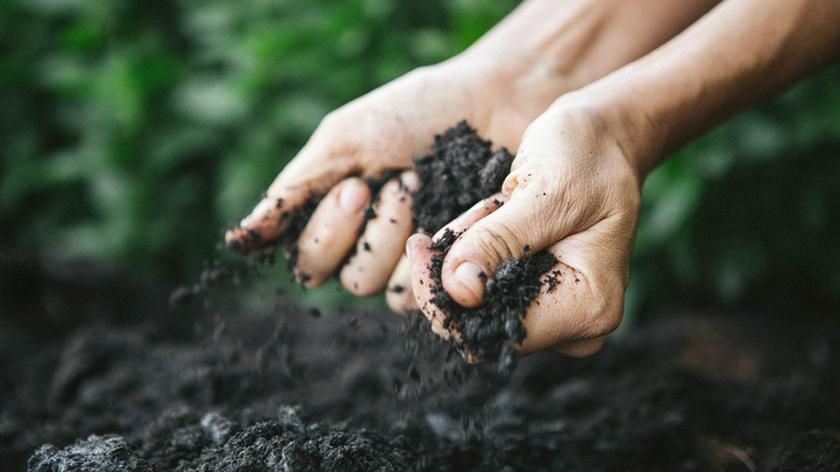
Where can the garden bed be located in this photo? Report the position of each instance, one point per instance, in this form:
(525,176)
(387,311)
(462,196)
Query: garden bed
(132,386)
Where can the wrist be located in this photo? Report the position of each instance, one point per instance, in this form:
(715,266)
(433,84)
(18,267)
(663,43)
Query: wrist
(618,119)
(541,51)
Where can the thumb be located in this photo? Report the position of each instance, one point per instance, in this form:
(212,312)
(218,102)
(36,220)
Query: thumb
(316,168)
(525,224)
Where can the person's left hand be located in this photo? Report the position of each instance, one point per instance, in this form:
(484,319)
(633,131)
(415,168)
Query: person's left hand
(571,190)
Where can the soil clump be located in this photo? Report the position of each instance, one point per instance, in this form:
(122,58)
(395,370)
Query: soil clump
(461,170)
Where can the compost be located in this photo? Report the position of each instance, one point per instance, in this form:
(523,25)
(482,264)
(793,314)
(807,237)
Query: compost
(97,376)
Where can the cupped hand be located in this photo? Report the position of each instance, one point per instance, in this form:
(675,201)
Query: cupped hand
(380,131)
(573,191)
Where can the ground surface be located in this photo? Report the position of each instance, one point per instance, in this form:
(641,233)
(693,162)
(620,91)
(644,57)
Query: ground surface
(114,381)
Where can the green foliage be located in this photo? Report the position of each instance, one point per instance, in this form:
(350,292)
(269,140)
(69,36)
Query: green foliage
(746,215)
(133,132)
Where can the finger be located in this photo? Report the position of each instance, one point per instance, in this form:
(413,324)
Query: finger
(383,241)
(471,216)
(401,300)
(422,283)
(307,175)
(399,295)
(332,231)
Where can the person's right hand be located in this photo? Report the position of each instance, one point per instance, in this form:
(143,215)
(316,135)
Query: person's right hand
(382,130)
(574,191)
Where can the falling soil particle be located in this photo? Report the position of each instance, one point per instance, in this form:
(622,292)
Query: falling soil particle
(294,220)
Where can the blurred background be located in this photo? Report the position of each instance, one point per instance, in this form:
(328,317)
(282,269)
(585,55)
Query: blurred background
(133,132)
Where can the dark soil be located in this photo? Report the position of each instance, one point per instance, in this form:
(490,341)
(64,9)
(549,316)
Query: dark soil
(118,385)
(461,170)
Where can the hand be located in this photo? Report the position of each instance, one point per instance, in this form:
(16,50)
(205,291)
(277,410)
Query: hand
(571,190)
(382,130)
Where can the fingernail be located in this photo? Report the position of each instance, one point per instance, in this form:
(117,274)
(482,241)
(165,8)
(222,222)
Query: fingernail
(410,181)
(471,277)
(353,197)
(410,243)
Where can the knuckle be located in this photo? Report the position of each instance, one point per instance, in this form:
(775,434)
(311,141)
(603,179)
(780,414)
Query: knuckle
(606,310)
(330,121)
(353,284)
(499,241)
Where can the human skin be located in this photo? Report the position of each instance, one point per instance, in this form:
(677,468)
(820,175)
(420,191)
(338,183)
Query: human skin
(574,187)
(499,85)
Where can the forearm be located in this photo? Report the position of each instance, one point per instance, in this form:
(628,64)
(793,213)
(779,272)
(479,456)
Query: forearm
(551,47)
(741,52)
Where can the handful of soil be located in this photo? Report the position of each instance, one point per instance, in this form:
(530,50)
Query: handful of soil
(462,170)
